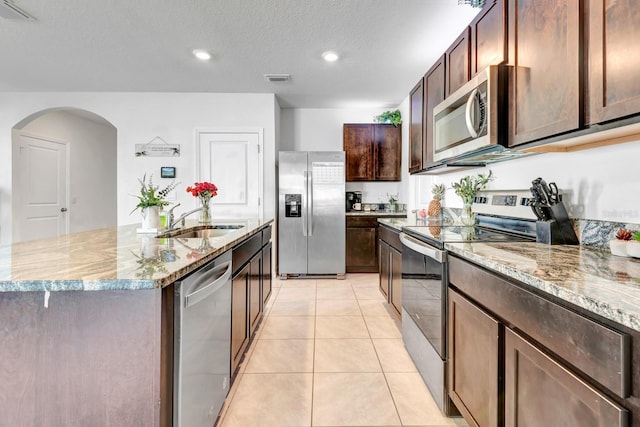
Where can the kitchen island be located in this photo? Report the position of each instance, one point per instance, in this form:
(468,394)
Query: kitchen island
(86,335)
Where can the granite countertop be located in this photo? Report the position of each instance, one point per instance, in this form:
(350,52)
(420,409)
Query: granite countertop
(595,280)
(115,258)
(398,223)
(377,213)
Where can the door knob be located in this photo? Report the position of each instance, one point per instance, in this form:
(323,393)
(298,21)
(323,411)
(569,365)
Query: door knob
(63,209)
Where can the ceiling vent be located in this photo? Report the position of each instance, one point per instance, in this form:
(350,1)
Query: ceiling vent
(277,78)
(9,10)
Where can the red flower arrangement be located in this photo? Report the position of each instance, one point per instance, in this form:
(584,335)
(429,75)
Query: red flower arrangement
(203,190)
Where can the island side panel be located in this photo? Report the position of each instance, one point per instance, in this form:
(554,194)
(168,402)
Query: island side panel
(89,358)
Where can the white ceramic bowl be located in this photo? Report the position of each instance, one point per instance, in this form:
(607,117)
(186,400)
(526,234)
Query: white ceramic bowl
(633,248)
(618,247)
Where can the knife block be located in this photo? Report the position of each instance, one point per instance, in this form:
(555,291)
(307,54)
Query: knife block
(556,231)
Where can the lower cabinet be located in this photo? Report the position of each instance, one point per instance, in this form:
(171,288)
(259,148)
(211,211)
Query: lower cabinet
(540,392)
(362,243)
(390,262)
(255,299)
(384,250)
(251,290)
(266,273)
(396,279)
(239,327)
(518,359)
(474,378)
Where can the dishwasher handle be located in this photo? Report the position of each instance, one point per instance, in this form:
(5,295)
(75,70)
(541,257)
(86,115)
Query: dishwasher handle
(208,284)
(422,248)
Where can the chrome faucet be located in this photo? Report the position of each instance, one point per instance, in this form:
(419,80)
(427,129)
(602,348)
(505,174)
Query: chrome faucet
(182,217)
(170,217)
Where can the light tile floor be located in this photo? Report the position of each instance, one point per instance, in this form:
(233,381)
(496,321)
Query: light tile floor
(329,353)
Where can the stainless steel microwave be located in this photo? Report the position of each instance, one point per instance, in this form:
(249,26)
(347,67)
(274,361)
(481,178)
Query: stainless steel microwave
(467,121)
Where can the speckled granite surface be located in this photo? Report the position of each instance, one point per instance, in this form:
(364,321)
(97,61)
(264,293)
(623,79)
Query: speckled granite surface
(398,223)
(593,279)
(377,213)
(114,258)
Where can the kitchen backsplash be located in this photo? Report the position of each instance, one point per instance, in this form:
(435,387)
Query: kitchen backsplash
(597,234)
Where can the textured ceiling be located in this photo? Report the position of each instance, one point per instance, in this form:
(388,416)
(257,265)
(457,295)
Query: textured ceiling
(145,45)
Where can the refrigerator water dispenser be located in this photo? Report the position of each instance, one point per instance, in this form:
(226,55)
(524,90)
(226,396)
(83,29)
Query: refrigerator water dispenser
(293,205)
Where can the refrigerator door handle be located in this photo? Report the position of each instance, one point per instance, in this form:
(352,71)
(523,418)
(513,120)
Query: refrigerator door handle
(310,203)
(305,196)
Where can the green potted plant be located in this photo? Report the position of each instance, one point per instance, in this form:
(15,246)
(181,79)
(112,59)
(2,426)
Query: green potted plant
(633,247)
(467,188)
(393,202)
(150,201)
(393,117)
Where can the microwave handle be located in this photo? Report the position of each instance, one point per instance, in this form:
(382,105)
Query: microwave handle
(467,117)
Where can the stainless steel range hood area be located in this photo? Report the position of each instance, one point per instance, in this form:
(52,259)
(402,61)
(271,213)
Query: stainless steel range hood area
(478,158)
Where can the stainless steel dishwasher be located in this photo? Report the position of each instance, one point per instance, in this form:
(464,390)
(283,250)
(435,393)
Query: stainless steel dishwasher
(202,343)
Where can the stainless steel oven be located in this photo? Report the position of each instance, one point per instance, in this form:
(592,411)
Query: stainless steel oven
(424,289)
(503,216)
(467,121)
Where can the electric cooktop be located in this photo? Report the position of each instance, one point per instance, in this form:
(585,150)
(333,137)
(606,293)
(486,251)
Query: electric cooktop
(502,216)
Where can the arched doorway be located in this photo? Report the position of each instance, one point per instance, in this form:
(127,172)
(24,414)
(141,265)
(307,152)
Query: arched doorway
(64,173)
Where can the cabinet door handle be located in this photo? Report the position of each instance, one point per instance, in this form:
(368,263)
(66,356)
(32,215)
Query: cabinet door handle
(63,209)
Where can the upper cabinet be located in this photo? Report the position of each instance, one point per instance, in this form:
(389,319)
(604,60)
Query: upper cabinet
(434,94)
(489,36)
(614,43)
(457,60)
(544,52)
(373,152)
(416,127)
(569,64)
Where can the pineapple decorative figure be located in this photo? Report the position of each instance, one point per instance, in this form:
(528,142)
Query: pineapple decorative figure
(435,205)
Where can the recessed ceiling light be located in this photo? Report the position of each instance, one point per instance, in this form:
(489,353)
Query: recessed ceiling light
(201,54)
(330,56)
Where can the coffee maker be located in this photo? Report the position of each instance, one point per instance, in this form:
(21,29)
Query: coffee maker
(354,201)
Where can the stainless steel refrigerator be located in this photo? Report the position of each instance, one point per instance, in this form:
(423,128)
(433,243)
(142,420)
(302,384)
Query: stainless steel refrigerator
(311,213)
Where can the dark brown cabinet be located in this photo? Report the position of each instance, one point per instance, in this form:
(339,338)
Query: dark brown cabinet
(362,244)
(457,60)
(373,152)
(488,36)
(250,290)
(555,365)
(434,94)
(474,376)
(384,250)
(255,299)
(545,84)
(390,262)
(614,43)
(239,327)
(396,279)
(541,392)
(266,274)
(416,127)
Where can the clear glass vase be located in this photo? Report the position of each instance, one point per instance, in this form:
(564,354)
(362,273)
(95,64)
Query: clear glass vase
(468,217)
(205,213)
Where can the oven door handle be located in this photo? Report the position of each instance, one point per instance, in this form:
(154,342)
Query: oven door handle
(422,248)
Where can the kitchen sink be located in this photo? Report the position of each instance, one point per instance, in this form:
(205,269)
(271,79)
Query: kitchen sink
(202,231)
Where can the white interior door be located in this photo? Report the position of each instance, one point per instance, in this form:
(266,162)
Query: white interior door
(233,162)
(42,189)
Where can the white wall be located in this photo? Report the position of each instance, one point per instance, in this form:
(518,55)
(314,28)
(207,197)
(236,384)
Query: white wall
(320,129)
(93,168)
(138,118)
(601,183)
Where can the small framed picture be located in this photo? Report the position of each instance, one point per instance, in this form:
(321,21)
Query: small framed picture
(167,172)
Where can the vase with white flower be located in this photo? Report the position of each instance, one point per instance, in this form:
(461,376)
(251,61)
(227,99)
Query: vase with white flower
(204,191)
(467,188)
(150,201)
